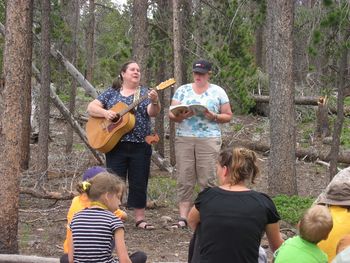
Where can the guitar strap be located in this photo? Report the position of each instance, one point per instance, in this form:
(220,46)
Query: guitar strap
(137,95)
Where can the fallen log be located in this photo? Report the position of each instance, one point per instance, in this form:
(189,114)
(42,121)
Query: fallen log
(11,258)
(305,154)
(47,195)
(69,116)
(162,163)
(307,100)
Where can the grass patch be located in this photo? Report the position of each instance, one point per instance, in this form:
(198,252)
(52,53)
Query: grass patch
(162,189)
(291,208)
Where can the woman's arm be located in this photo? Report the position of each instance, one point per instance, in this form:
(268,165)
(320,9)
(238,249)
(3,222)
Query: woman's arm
(70,247)
(193,218)
(95,109)
(154,107)
(120,246)
(274,236)
(225,114)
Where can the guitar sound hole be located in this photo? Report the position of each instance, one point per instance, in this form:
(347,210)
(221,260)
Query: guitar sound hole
(116,119)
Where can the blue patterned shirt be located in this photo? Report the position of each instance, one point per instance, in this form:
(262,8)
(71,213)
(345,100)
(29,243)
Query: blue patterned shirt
(142,128)
(198,125)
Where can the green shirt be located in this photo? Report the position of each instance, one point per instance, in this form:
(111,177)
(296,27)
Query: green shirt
(298,250)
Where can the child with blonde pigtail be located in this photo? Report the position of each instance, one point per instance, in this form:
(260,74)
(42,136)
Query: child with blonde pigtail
(93,229)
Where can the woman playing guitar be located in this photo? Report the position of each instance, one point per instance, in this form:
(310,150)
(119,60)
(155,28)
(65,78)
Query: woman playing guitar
(130,158)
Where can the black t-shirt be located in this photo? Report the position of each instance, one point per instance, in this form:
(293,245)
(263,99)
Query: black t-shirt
(232,224)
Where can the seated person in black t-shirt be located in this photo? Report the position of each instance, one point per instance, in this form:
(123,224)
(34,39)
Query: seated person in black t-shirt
(231,217)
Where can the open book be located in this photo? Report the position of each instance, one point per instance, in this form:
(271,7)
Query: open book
(196,108)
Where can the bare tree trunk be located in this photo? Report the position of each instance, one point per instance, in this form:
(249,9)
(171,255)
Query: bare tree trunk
(43,144)
(163,68)
(334,154)
(197,34)
(72,21)
(140,36)
(177,70)
(282,176)
(90,42)
(17,73)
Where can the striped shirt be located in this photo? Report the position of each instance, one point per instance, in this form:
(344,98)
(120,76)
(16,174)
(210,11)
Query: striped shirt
(93,231)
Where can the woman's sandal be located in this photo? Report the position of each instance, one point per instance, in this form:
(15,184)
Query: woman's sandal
(146,226)
(181,223)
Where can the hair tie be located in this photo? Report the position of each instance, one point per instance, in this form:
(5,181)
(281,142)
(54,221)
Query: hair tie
(86,185)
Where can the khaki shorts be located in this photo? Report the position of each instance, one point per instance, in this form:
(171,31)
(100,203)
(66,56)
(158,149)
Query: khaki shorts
(196,163)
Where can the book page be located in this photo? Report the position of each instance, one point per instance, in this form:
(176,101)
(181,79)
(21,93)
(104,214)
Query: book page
(198,108)
(178,109)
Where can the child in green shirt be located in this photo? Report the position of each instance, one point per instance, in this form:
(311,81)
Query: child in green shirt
(314,226)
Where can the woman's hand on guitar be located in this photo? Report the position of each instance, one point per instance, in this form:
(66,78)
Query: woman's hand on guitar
(110,115)
(153,96)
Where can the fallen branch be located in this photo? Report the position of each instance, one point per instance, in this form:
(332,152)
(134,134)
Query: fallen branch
(162,163)
(9,258)
(305,154)
(47,195)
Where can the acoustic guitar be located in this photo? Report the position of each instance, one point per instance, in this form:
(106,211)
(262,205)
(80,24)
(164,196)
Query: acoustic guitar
(103,134)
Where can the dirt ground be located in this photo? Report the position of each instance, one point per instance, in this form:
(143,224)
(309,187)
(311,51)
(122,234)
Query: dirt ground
(42,221)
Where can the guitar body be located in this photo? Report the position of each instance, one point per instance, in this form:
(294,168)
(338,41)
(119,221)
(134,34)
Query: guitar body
(103,134)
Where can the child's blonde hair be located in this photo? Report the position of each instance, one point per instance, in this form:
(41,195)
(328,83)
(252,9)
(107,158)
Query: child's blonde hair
(241,163)
(343,243)
(316,224)
(100,184)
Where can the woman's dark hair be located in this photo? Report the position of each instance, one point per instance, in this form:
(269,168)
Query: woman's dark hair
(241,164)
(118,82)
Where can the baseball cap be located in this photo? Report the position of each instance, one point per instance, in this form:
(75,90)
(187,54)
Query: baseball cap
(201,66)
(92,171)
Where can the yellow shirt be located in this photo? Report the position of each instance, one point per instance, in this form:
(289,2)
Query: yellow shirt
(341,227)
(79,203)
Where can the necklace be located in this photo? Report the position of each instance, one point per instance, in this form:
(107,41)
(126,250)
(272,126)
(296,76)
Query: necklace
(99,204)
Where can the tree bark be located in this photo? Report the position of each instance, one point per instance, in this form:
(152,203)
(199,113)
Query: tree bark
(177,29)
(43,144)
(140,40)
(17,73)
(163,8)
(90,42)
(334,154)
(282,174)
(72,19)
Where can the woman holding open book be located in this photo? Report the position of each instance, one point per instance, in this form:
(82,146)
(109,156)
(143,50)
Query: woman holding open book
(198,134)
(131,157)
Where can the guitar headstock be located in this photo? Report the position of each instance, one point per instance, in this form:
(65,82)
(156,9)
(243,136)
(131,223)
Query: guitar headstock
(165,84)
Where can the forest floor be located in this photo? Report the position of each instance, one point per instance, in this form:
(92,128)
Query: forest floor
(42,222)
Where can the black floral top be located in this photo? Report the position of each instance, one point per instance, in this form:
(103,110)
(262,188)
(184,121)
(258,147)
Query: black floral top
(142,128)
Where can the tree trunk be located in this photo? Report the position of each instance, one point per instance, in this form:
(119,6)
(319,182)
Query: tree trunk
(17,73)
(334,154)
(140,36)
(72,19)
(177,29)
(282,176)
(43,144)
(163,8)
(90,42)
(197,34)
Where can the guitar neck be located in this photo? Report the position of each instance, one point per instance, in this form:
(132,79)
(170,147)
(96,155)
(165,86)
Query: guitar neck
(133,105)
